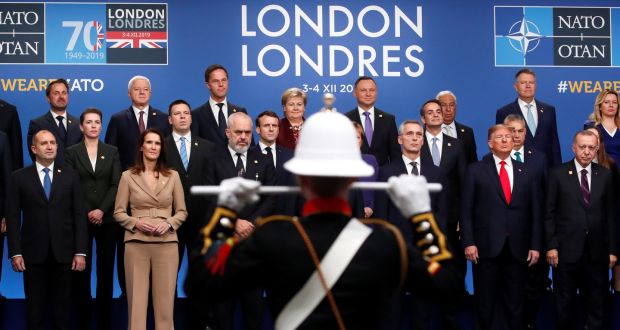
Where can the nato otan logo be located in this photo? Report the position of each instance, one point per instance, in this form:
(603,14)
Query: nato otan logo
(556,36)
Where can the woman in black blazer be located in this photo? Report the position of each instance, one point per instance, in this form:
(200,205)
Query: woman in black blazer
(99,168)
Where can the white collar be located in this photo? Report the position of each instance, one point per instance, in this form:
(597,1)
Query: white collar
(41,167)
(176,136)
(508,160)
(578,167)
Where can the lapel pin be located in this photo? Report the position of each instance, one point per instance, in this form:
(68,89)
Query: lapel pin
(529,152)
(59,170)
(462,130)
(102,157)
(196,143)
(380,116)
(154,113)
(234,110)
(255,161)
(519,169)
(70,121)
(449,144)
(570,172)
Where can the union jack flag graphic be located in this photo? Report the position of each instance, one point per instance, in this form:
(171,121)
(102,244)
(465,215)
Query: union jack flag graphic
(99,42)
(136,39)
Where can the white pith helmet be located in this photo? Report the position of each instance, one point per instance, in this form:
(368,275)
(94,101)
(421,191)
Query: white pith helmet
(328,147)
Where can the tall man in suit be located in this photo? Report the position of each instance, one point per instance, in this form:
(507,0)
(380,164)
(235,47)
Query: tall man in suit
(46,223)
(411,139)
(237,159)
(5,171)
(537,276)
(192,157)
(379,126)
(9,124)
(580,233)
(452,128)
(267,129)
(66,128)
(210,118)
(501,231)
(124,132)
(542,131)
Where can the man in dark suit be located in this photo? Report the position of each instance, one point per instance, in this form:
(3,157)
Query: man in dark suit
(580,233)
(192,157)
(267,129)
(501,231)
(537,276)
(236,159)
(46,223)
(5,171)
(126,125)
(65,127)
(411,139)
(124,132)
(452,128)
(379,126)
(210,118)
(448,154)
(540,117)
(9,124)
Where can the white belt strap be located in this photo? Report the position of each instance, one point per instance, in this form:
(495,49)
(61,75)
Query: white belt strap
(333,265)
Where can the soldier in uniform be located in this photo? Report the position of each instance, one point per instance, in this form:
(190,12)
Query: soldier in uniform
(325,269)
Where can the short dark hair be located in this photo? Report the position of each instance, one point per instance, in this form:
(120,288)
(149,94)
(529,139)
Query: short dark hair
(91,110)
(427,102)
(160,165)
(363,78)
(212,68)
(176,102)
(267,113)
(323,186)
(526,71)
(63,81)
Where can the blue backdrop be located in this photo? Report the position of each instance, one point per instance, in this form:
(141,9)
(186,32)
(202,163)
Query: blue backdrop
(413,48)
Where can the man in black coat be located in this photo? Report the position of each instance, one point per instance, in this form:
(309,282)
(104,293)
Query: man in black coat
(580,233)
(210,118)
(452,128)
(501,231)
(540,117)
(238,160)
(46,223)
(380,133)
(9,124)
(66,128)
(5,171)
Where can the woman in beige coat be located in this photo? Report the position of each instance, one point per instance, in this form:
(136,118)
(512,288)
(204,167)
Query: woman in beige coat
(153,192)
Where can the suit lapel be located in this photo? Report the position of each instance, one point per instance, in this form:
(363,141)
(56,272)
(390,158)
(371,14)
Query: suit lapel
(173,152)
(162,181)
(596,185)
(252,165)
(378,128)
(58,177)
(152,118)
(52,123)
(36,181)
(131,119)
(574,181)
(83,157)
(517,178)
(194,152)
(492,172)
(143,185)
(447,148)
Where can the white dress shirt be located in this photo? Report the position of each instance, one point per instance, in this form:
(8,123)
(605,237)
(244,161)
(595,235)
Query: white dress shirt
(42,174)
(363,117)
(524,110)
(452,126)
(244,157)
(145,117)
(429,141)
(188,142)
(216,109)
(508,168)
(521,153)
(410,167)
(588,168)
(64,116)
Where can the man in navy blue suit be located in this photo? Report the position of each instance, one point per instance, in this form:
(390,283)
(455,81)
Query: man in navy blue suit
(452,128)
(501,231)
(124,132)
(210,118)
(537,276)
(66,128)
(542,133)
(267,128)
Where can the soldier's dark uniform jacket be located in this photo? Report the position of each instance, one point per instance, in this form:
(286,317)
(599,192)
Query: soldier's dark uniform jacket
(275,257)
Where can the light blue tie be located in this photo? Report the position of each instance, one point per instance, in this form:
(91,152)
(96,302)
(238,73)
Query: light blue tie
(47,183)
(435,152)
(531,122)
(183,152)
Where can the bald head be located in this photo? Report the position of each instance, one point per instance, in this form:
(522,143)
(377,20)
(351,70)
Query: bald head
(239,131)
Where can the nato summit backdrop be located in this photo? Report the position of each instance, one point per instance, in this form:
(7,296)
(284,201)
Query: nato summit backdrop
(412,48)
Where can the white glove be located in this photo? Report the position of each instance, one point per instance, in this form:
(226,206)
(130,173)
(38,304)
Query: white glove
(410,194)
(238,192)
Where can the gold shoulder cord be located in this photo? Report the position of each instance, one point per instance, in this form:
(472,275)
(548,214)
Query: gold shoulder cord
(219,214)
(400,241)
(430,240)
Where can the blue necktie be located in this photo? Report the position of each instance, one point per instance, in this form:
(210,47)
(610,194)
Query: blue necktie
(183,152)
(531,122)
(47,183)
(368,127)
(435,152)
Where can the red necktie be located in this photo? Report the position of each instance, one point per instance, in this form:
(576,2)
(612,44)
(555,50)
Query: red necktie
(505,181)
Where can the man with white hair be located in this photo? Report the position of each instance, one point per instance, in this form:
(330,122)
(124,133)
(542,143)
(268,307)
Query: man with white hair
(452,128)
(324,269)
(124,132)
